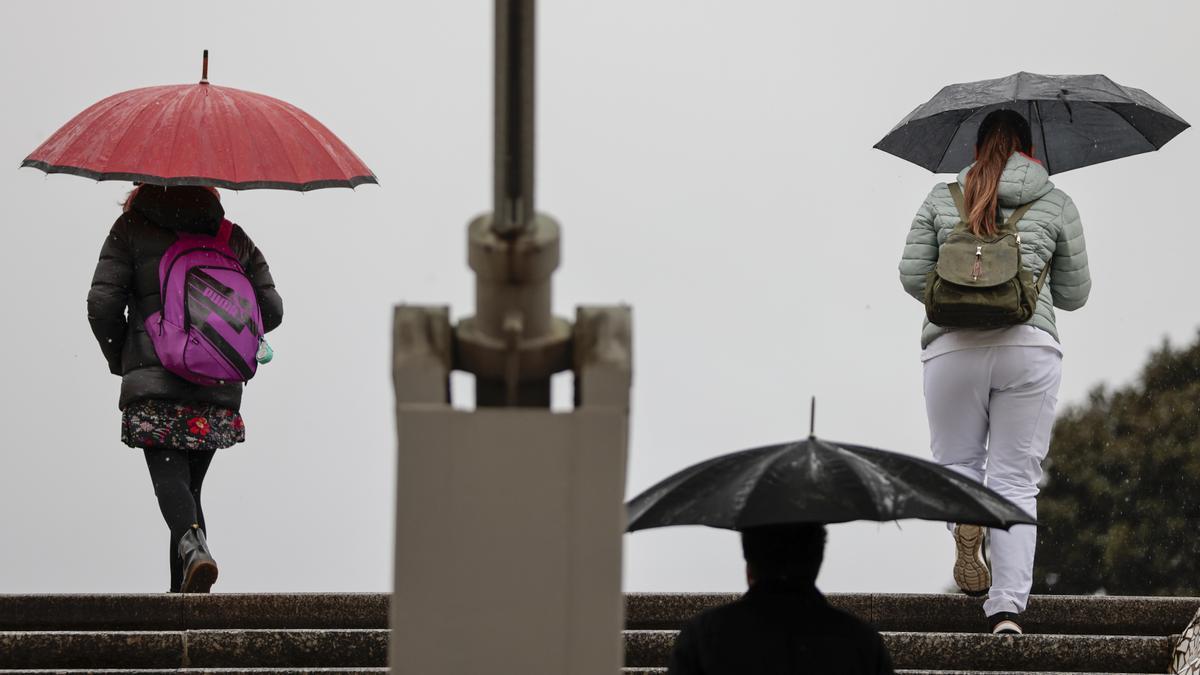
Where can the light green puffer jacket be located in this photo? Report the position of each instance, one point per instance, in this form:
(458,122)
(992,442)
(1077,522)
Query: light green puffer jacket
(1050,234)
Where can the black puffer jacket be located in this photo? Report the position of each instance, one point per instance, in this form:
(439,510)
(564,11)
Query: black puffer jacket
(127,278)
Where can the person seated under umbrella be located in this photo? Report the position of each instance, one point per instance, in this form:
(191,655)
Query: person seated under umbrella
(783,623)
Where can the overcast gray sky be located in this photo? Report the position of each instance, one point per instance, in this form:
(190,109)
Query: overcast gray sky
(711,165)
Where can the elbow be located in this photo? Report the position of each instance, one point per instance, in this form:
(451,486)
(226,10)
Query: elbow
(913,284)
(1070,305)
(271,306)
(272,320)
(1074,299)
(103,307)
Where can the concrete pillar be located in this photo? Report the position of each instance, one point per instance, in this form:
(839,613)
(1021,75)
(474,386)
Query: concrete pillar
(509,521)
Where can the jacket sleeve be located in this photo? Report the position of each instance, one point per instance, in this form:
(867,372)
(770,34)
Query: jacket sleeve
(109,296)
(1070,281)
(259,273)
(685,658)
(920,251)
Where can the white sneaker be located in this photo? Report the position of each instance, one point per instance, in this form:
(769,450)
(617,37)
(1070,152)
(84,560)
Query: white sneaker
(971,572)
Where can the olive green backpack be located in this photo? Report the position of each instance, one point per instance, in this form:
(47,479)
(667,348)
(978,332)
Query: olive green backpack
(978,282)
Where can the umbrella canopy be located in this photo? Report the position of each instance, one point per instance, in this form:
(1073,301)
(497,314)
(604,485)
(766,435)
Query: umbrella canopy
(817,481)
(201,134)
(1076,120)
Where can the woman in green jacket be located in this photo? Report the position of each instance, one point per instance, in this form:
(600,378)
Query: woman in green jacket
(990,394)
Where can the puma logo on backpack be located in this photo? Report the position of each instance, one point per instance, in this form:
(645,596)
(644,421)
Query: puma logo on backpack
(978,282)
(209,328)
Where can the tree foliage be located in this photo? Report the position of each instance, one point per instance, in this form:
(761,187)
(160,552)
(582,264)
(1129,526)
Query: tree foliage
(1120,504)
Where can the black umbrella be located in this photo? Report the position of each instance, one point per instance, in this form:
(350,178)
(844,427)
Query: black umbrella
(816,481)
(1076,120)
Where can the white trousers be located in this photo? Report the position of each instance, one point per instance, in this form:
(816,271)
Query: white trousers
(990,411)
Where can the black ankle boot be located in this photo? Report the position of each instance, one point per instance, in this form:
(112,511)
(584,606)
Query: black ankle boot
(199,568)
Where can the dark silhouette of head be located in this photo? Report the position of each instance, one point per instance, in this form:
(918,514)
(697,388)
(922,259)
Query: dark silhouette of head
(791,552)
(137,187)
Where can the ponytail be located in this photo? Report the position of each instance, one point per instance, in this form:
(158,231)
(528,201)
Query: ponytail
(1002,133)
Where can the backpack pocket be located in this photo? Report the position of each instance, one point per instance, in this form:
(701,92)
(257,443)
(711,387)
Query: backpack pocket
(962,306)
(209,363)
(967,260)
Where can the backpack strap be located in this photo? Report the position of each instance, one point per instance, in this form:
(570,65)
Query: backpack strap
(1017,215)
(959,202)
(1011,224)
(225,231)
(1041,280)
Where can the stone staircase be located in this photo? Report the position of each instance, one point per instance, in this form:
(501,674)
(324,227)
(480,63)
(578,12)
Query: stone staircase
(347,633)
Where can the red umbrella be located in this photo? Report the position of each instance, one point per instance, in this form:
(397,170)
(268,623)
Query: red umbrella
(201,134)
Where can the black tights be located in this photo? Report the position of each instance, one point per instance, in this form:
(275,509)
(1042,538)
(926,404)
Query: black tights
(178,476)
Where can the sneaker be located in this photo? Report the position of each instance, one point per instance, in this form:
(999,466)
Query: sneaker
(1005,623)
(970,569)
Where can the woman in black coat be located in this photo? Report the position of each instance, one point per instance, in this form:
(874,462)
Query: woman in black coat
(179,425)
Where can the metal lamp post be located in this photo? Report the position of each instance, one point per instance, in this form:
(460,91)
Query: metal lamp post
(509,518)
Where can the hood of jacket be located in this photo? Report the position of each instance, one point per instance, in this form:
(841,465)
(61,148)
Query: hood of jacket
(184,208)
(1022,181)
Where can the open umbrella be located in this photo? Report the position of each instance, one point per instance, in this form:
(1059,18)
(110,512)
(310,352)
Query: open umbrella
(201,134)
(817,481)
(1076,121)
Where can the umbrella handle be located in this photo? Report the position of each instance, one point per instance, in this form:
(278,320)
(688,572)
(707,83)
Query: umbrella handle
(204,69)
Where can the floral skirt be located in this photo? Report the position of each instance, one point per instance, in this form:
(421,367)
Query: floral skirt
(180,426)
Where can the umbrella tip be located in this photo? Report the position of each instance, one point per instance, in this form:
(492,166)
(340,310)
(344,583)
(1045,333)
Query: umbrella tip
(812,417)
(204,69)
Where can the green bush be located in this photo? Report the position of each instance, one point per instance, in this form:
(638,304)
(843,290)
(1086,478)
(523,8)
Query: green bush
(1120,503)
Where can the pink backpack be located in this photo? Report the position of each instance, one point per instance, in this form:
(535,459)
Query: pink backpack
(209,327)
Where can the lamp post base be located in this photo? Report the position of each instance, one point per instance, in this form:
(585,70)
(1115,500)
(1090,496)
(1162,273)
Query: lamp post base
(509,521)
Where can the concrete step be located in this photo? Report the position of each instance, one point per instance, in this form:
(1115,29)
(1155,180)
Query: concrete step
(365,648)
(903,671)
(329,648)
(383,671)
(974,651)
(205,671)
(174,612)
(1072,615)
(1057,614)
